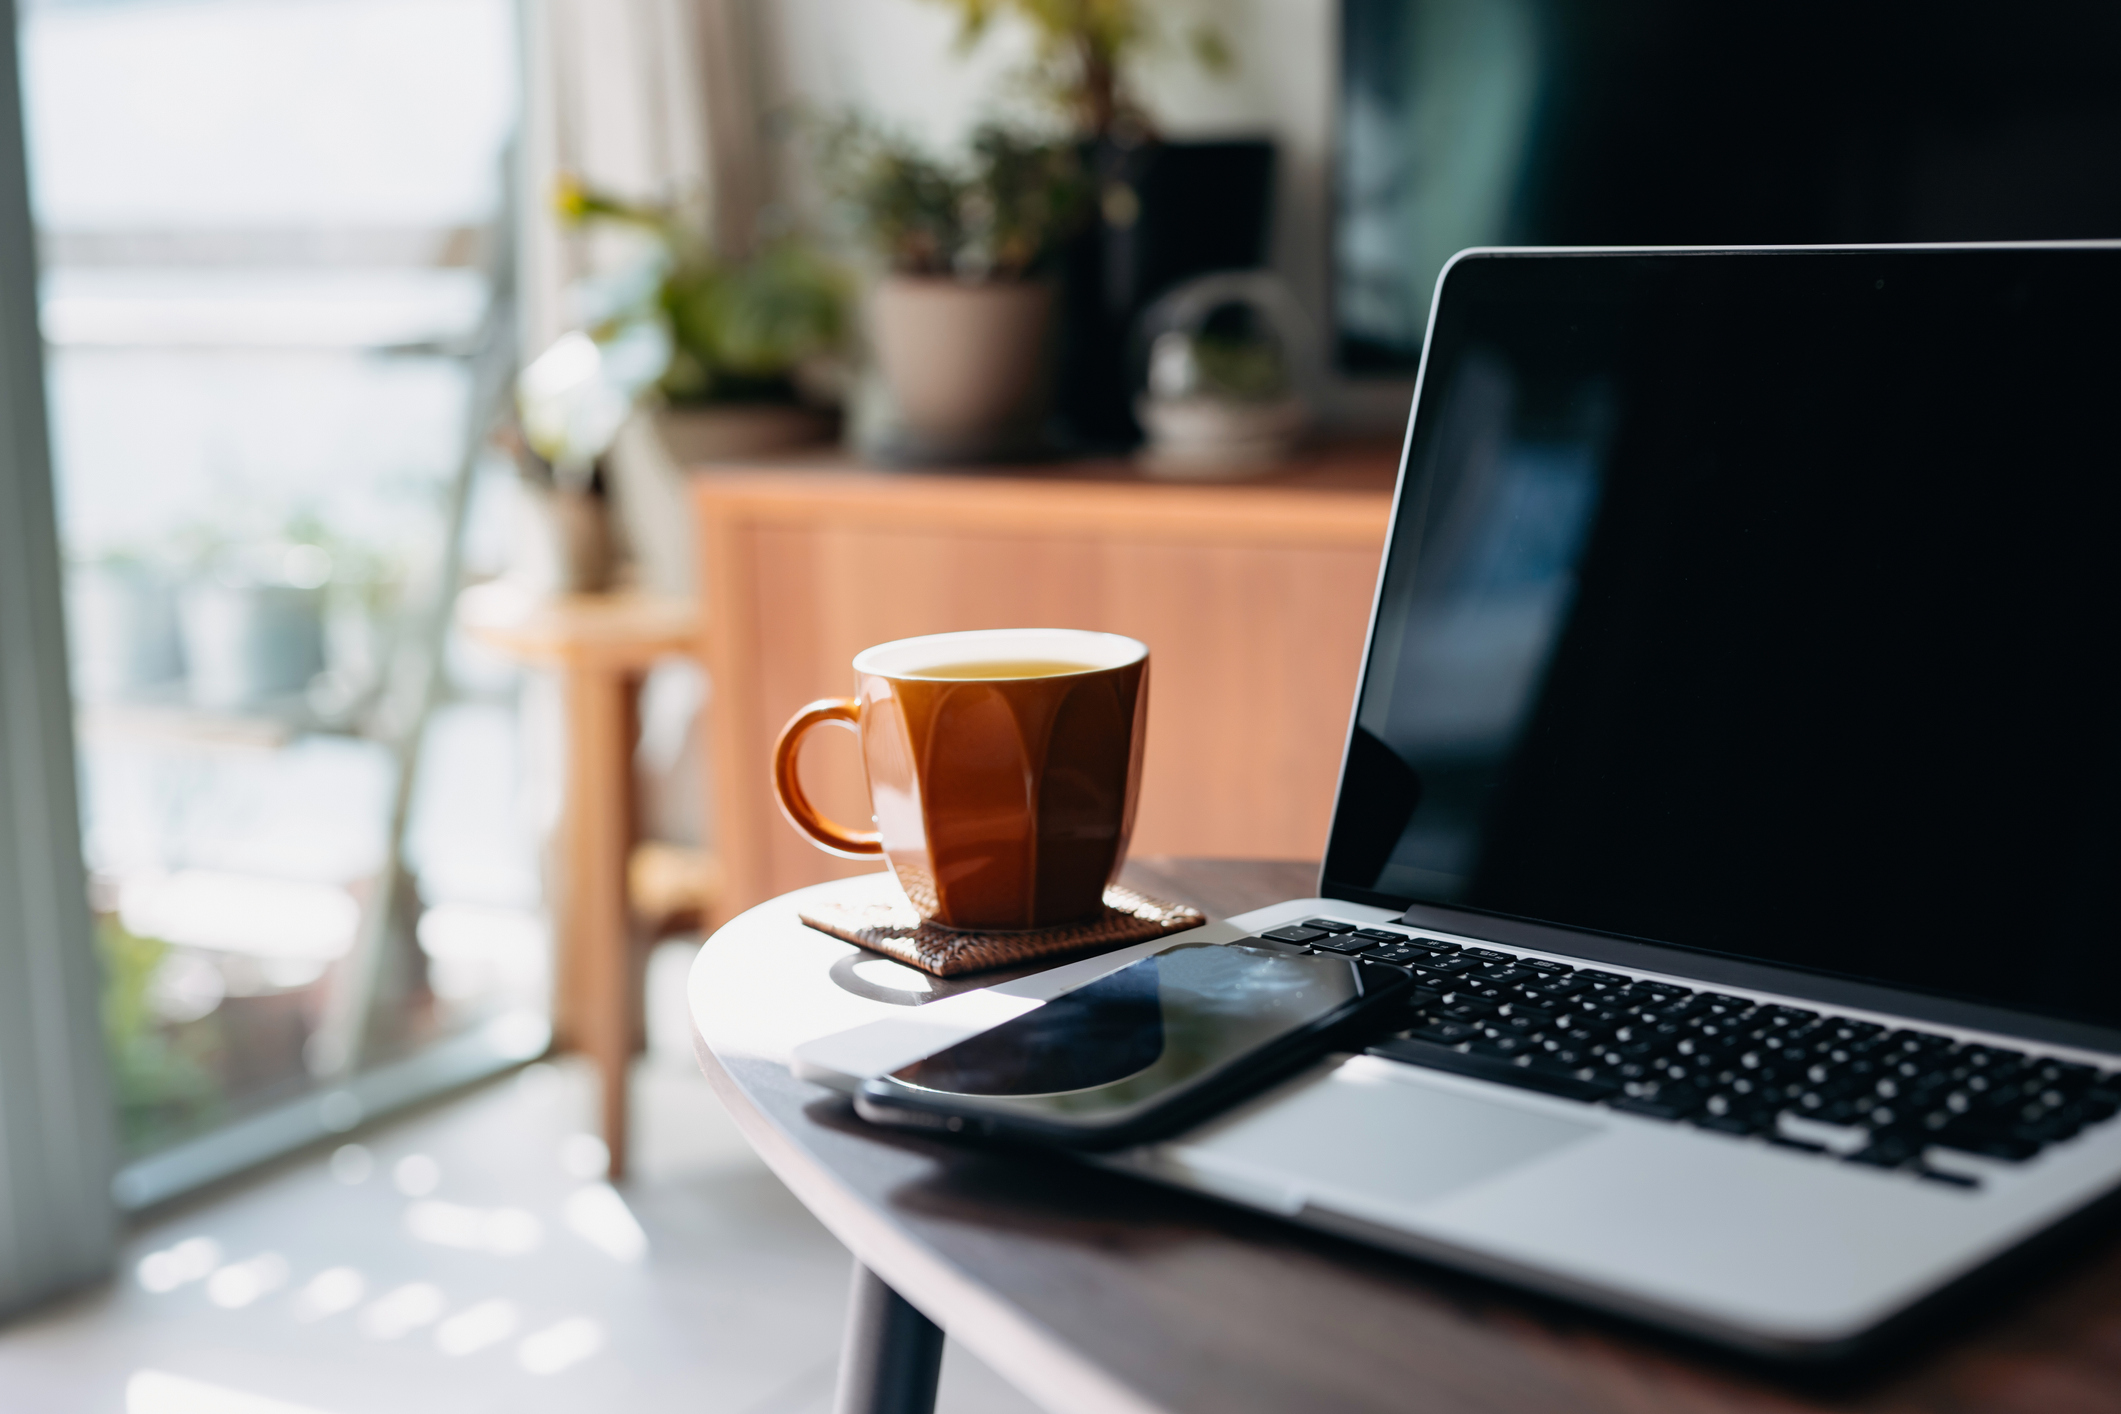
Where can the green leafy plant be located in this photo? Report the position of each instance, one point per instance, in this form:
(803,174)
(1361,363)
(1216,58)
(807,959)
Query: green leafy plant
(999,214)
(1084,48)
(1240,356)
(741,330)
(164,1075)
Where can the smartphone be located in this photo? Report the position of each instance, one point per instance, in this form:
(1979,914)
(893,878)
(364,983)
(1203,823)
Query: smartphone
(1143,1052)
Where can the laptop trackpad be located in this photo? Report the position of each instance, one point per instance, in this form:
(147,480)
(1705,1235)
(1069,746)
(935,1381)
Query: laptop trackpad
(1390,1137)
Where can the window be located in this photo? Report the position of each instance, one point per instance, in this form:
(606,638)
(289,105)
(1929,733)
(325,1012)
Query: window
(274,240)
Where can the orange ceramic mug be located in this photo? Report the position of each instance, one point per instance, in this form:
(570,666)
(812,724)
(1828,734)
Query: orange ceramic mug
(1003,766)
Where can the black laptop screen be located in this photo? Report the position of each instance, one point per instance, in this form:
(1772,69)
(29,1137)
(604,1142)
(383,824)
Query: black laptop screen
(1763,604)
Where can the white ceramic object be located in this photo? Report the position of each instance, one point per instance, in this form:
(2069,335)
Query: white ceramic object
(249,644)
(1197,429)
(1213,439)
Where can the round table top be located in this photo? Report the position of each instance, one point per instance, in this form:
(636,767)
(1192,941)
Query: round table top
(617,630)
(1094,1291)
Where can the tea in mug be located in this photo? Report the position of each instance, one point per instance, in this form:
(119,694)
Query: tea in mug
(1005,668)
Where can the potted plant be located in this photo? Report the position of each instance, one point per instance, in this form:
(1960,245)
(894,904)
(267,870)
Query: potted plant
(253,623)
(751,346)
(960,318)
(1165,211)
(279,614)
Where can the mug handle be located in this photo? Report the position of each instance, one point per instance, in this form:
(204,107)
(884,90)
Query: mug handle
(828,835)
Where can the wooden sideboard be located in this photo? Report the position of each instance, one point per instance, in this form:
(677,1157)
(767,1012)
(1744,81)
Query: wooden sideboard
(1253,597)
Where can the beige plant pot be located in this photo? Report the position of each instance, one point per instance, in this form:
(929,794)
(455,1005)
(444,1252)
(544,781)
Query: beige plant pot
(563,541)
(965,363)
(734,431)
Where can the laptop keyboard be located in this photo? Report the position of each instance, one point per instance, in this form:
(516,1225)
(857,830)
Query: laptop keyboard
(1846,1089)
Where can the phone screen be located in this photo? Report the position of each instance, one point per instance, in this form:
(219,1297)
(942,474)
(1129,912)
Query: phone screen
(1117,1045)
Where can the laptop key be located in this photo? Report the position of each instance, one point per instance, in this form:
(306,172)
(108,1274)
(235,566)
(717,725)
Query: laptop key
(1395,953)
(1659,1106)
(1329,925)
(1344,943)
(1414,1049)
(1445,1034)
(2053,1127)
(1293,934)
(1439,945)
(2066,1071)
(1864,1030)
(1989,1145)
(1382,935)
(1532,1013)
(1488,955)
(1887,1151)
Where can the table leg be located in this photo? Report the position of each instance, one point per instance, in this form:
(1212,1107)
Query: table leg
(892,1353)
(597,836)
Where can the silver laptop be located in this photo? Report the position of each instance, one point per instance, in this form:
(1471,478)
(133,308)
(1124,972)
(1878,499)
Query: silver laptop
(1734,765)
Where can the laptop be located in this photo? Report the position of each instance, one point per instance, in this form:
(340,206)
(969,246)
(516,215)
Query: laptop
(1734,767)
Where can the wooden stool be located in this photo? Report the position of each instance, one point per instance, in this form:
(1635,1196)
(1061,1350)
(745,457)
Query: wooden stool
(601,645)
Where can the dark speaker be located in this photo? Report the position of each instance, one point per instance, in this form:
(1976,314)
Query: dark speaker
(1163,213)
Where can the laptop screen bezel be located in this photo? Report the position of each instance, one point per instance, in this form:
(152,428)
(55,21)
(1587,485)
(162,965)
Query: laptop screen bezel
(1619,949)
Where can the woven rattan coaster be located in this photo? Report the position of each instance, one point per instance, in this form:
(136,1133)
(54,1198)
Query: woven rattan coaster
(890,926)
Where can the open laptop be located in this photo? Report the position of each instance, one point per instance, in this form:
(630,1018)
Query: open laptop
(1734,764)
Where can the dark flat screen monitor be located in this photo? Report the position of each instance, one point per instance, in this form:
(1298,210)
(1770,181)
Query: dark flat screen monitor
(1674,122)
(1766,604)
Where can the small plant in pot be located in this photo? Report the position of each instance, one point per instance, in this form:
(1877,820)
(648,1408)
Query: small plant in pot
(961,318)
(252,618)
(755,344)
(284,616)
(1165,211)
(1083,51)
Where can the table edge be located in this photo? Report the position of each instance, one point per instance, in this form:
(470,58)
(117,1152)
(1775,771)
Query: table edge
(1021,1351)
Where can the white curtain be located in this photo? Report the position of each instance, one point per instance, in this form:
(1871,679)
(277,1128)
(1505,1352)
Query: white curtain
(649,99)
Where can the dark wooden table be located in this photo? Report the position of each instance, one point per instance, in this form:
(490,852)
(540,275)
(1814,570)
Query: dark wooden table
(1091,1291)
